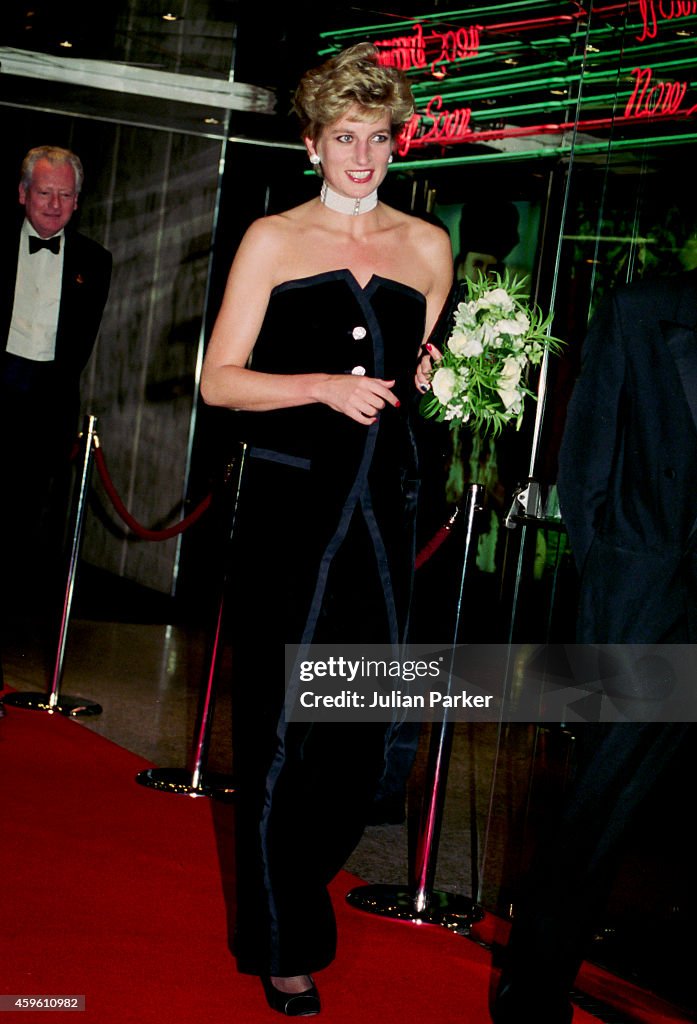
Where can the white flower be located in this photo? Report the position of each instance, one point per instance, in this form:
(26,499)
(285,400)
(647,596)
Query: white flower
(491,335)
(512,400)
(444,384)
(496,297)
(456,412)
(466,314)
(513,327)
(466,343)
(508,384)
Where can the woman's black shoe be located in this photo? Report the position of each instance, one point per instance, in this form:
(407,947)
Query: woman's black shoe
(292,1004)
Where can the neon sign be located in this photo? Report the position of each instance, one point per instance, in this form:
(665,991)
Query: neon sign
(446,127)
(654,100)
(652,12)
(430,48)
(659,98)
(407,52)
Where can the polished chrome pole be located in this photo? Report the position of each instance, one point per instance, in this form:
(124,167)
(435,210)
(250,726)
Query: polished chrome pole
(420,903)
(53,701)
(197,781)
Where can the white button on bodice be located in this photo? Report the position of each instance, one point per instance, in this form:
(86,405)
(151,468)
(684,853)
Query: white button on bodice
(358,333)
(358,371)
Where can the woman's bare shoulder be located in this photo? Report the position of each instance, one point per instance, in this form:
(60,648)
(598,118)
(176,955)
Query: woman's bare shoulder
(431,242)
(419,230)
(429,233)
(273,245)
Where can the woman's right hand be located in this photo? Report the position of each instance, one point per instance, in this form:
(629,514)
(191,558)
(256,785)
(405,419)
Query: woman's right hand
(360,398)
(424,369)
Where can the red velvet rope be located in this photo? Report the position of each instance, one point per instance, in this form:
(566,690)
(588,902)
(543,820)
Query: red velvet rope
(435,542)
(133,524)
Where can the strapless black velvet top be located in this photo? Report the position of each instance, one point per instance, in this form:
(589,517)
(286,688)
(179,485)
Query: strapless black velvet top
(318,483)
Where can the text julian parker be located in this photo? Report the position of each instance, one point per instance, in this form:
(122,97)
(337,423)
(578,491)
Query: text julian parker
(394,699)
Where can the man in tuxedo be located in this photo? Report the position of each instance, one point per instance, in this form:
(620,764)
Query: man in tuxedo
(627,470)
(54,284)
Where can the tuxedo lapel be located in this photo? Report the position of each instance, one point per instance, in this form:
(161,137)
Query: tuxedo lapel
(71,285)
(682,343)
(86,276)
(680,335)
(69,271)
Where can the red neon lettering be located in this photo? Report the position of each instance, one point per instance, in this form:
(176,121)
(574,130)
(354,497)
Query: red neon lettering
(677,9)
(649,99)
(650,14)
(407,52)
(647,9)
(407,135)
(457,45)
(403,52)
(446,127)
(661,101)
(447,48)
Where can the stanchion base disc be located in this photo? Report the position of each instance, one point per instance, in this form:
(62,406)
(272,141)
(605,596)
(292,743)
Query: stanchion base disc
(450,910)
(180,780)
(71,706)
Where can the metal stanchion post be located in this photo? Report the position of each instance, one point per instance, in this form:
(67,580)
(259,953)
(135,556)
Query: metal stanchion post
(197,781)
(53,701)
(420,903)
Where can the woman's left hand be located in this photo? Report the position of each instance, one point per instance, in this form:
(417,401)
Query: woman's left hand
(422,377)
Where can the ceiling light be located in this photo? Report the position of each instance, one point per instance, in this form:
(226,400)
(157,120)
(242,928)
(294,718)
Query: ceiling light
(170,17)
(66,44)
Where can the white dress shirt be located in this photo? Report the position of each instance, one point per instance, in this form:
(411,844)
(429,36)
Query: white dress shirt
(36,306)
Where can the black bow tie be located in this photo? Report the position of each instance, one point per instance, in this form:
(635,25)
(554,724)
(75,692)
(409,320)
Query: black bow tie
(54,244)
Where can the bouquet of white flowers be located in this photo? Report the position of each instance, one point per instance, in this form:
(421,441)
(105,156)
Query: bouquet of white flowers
(481,379)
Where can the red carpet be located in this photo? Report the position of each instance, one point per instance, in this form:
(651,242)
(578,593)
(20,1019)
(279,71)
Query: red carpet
(114,892)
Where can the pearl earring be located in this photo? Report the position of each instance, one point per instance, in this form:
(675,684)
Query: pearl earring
(314,160)
(389,159)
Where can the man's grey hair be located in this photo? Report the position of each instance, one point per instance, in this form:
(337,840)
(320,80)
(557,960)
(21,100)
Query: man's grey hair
(54,155)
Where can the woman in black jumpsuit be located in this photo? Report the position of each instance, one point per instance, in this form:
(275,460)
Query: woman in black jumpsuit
(333,300)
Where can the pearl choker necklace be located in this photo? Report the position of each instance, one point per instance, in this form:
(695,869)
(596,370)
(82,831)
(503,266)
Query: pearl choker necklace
(344,204)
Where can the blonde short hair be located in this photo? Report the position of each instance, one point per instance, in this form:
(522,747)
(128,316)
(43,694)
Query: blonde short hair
(352,78)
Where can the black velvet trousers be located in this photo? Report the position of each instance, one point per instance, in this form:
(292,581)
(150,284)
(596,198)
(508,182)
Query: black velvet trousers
(304,788)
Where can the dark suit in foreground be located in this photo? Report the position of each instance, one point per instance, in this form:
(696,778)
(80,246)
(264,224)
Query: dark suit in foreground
(628,467)
(628,494)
